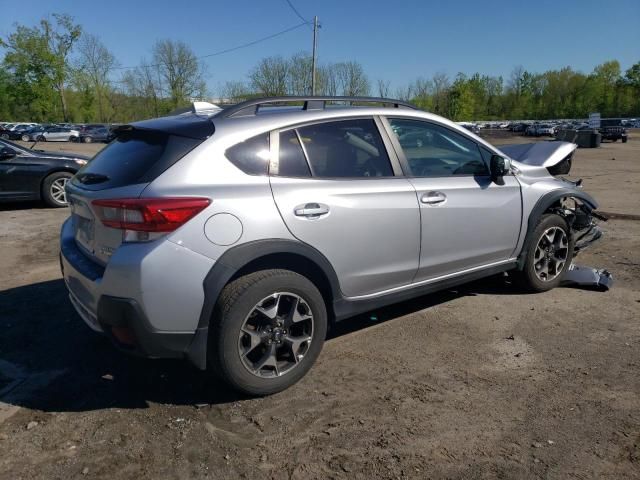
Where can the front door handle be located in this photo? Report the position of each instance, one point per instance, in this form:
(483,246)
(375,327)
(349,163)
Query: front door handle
(433,198)
(311,210)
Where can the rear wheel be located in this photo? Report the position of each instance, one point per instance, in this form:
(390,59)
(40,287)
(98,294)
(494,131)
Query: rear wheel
(548,256)
(53,189)
(24,138)
(88,139)
(5,136)
(267,331)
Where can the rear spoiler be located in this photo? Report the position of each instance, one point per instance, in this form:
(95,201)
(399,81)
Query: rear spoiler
(184,125)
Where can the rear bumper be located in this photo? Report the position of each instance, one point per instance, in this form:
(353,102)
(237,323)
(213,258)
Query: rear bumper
(112,300)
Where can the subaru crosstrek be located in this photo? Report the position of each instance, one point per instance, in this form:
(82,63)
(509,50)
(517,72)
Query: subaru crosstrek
(235,237)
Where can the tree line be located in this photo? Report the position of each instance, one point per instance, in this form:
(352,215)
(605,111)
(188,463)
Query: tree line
(55,71)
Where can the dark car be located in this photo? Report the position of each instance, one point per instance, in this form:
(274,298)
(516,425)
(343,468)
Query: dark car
(614,133)
(30,134)
(5,132)
(99,134)
(35,174)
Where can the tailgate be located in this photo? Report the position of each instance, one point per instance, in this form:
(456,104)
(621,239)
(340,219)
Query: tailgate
(121,170)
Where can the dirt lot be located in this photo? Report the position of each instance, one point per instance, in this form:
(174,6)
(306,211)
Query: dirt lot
(477,382)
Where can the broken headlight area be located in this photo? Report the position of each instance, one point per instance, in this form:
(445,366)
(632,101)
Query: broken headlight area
(563,167)
(581,220)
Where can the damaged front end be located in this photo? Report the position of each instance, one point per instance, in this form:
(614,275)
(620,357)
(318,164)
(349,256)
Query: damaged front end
(580,218)
(584,231)
(540,168)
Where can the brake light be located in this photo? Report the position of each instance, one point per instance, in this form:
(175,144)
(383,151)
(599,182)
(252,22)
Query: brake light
(149,214)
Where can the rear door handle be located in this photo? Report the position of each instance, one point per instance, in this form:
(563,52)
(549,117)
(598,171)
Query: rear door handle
(433,198)
(311,210)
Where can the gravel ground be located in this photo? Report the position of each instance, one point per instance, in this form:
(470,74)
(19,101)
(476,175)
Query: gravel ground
(477,382)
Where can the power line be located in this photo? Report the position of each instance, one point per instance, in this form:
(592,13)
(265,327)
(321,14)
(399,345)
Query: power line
(228,50)
(297,12)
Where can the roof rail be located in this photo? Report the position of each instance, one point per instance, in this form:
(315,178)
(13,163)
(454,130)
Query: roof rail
(250,107)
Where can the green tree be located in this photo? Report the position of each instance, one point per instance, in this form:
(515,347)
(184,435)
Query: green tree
(38,59)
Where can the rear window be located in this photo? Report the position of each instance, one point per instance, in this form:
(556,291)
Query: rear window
(134,157)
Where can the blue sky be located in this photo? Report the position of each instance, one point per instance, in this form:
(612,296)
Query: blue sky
(394,40)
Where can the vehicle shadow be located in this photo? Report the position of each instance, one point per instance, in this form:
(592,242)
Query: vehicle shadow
(24,205)
(51,361)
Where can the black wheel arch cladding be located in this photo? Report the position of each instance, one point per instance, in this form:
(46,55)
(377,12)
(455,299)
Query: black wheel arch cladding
(542,205)
(236,258)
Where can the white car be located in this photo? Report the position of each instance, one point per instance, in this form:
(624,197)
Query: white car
(59,134)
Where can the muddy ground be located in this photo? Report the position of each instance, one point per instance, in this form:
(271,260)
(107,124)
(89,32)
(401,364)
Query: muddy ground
(477,382)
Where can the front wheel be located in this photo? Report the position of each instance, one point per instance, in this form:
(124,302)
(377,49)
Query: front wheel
(87,139)
(548,255)
(53,189)
(267,331)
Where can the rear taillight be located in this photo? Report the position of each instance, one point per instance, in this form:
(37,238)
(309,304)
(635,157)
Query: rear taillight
(148,215)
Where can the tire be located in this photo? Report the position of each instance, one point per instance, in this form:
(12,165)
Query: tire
(529,278)
(624,139)
(231,350)
(24,138)
(42,138)
(50,189)
(87,139)
(5,136)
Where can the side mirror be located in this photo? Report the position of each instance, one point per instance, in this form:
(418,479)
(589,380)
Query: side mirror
(500,167)
(6,153)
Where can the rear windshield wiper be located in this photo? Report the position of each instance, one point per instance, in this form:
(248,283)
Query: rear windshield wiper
(91,178)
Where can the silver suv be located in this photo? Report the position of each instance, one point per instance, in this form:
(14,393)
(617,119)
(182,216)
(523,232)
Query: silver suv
(235,237)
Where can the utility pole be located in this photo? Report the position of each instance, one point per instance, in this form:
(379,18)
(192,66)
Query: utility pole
(313,61)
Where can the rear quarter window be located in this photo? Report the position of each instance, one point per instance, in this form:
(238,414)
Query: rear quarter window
(252,155)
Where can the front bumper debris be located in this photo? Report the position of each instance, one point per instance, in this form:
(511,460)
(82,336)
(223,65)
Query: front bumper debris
(588,277)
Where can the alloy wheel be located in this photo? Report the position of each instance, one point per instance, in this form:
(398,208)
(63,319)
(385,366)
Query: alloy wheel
(57,190)
(551,254)
(276,335)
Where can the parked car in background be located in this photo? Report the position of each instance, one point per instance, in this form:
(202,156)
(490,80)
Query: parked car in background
(613,133)
(101,134)
(5,131)
(472,127)
(59,134)
(35,174)
(540,129)
(545,130)
(32,134)
(89,126)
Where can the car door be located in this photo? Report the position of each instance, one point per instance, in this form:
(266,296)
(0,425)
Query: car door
(51,133)
(468,220)
(19,176)
(336,188)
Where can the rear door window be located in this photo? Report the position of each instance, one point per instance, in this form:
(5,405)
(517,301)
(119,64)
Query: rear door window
(133,157)
(291,159)
(345,149)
